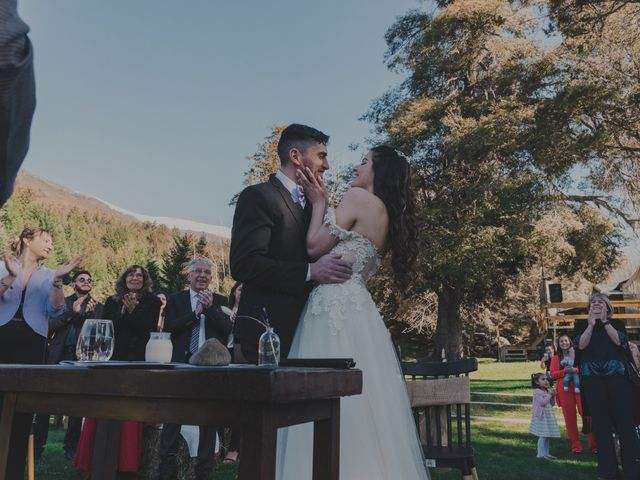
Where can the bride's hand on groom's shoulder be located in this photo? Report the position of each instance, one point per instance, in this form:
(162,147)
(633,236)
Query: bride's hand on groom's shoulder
(314,187)
(331,268)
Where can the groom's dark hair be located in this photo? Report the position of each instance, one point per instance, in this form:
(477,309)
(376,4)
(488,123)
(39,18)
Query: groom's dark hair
(300,137)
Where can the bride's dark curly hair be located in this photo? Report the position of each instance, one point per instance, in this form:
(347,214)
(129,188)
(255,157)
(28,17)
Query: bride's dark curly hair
(392,184)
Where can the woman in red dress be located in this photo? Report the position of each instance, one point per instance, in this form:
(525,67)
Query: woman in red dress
(134,311)
(569,400)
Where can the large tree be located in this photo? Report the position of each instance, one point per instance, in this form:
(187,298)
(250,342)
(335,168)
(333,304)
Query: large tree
(594,114)
(264,161)
(478,94)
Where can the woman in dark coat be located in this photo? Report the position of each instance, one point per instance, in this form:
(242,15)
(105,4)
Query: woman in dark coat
(134,310)
(602,343)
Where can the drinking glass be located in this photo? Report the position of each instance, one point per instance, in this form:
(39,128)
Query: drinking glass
(105,339)
(86,348)
(95,342)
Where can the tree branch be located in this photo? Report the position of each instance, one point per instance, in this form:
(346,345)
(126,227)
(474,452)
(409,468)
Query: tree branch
(600,202)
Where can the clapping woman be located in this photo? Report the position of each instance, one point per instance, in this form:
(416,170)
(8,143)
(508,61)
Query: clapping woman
(602,343)
(30,293)
(134,310)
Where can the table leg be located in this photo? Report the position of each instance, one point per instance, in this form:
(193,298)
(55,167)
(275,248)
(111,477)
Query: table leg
(6,423)
(258,444)
(326,445)
(106,449)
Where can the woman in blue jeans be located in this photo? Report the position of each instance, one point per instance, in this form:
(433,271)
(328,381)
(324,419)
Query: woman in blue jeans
(602,344)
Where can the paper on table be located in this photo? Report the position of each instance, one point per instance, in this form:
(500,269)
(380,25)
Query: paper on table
(120,364)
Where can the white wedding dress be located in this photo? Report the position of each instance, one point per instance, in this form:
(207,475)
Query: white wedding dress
(378,438)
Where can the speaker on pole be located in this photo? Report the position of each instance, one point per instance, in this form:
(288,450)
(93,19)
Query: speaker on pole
(555,293)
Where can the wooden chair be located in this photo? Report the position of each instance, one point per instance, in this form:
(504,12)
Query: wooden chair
(440,395)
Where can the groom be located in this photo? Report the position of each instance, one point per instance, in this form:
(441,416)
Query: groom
(268,248)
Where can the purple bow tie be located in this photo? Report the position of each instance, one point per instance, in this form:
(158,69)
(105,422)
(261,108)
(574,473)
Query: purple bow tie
(299,194)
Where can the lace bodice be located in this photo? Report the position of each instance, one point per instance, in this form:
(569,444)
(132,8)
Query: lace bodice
(334,303)
(354,247)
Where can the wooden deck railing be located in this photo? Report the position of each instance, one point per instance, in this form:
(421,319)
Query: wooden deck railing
(564,321)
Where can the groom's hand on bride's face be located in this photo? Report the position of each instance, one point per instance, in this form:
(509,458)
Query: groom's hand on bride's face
(331,268)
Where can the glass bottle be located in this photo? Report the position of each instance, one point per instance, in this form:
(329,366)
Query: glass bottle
(269,348)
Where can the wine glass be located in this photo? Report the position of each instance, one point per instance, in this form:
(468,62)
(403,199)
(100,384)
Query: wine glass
(86,347)
(95,342)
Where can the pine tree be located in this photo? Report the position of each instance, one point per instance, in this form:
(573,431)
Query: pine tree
(155,273)
(174,262)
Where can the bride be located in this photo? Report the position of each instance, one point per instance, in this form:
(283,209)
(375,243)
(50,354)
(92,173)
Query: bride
(378,439)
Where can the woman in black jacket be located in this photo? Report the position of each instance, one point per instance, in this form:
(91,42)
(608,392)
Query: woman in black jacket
(602,343)
(134,311)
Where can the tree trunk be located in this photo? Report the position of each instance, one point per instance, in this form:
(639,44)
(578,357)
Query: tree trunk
(448,336)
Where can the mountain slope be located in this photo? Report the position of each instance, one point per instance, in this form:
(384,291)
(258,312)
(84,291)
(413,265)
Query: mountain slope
(50,193)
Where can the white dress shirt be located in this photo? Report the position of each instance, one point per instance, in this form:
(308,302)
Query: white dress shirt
(291,186)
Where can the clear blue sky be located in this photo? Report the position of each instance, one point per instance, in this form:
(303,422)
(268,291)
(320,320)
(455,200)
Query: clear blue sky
(153,105)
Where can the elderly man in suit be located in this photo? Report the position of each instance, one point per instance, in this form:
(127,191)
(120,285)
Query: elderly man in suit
(268,243)
(193,316)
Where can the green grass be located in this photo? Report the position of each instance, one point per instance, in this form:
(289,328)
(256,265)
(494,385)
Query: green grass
(499,411)
(504,451)
(53,465)
(493,376)
(509,379)
(507,451)
(504,386)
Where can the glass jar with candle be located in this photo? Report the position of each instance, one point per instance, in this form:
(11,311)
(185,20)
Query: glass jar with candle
(159,347)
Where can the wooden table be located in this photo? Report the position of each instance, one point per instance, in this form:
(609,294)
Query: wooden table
(257,400)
